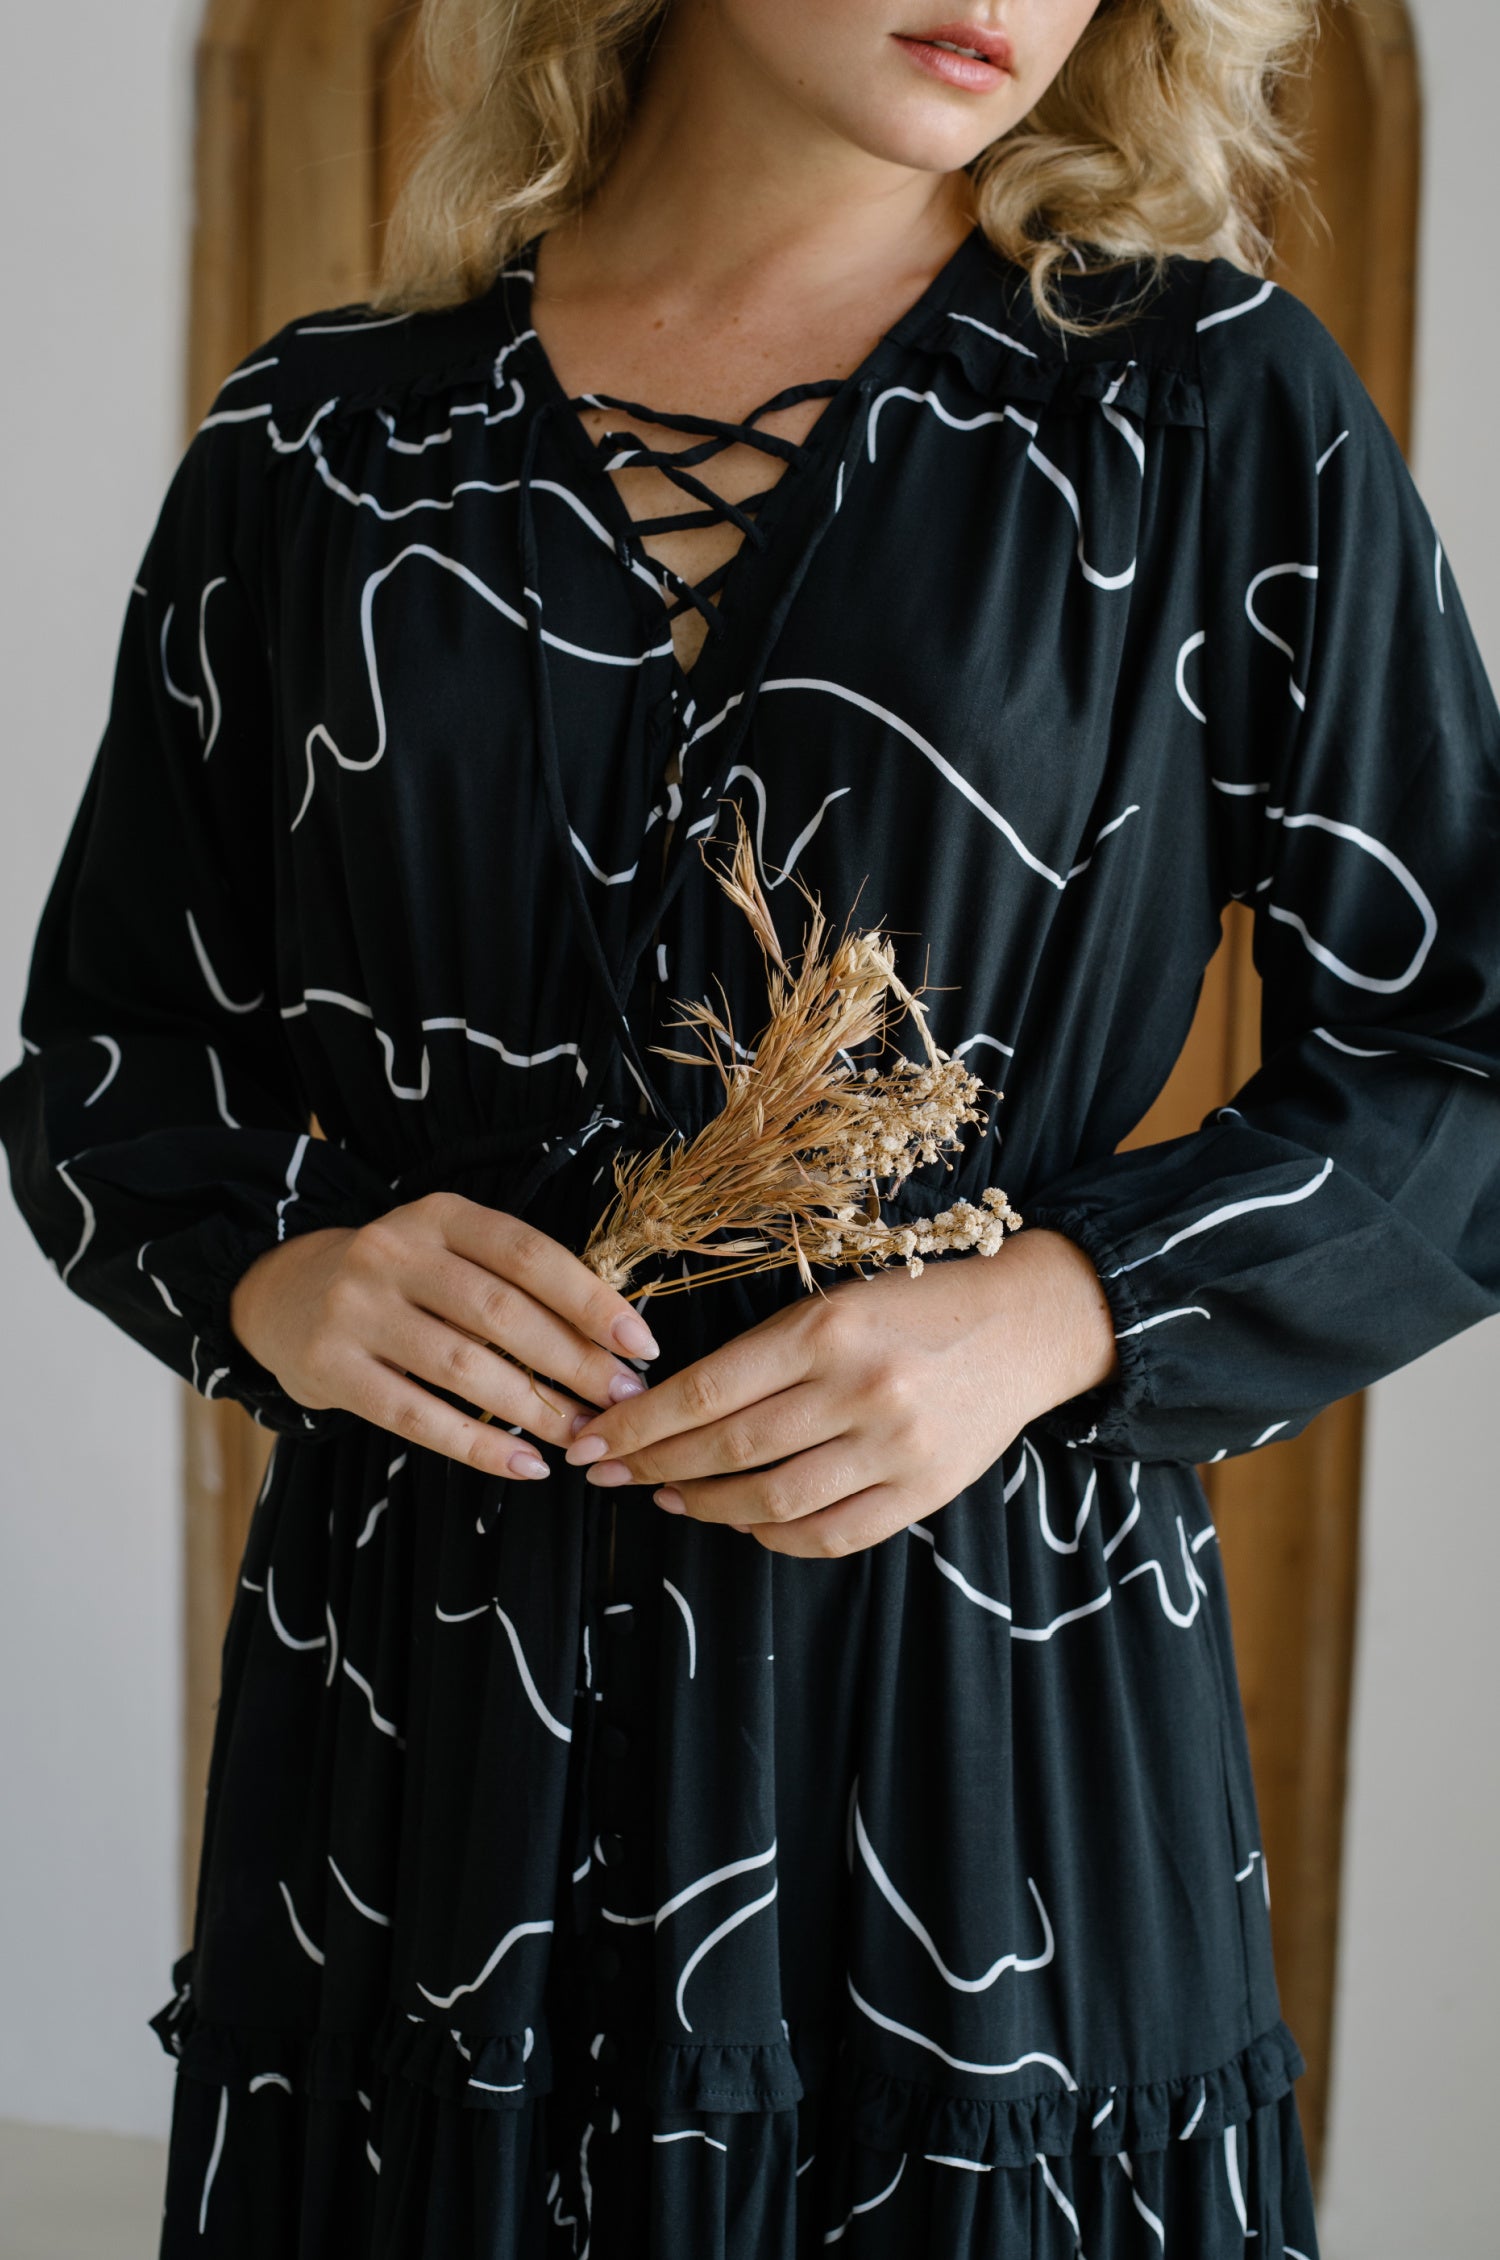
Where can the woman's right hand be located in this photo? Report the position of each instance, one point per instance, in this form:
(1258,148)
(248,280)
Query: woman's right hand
(446,1291)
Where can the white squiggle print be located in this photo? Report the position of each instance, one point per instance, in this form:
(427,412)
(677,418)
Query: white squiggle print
(213,2163)
(516,1931)
(359,1905)
(1134,1515)
(1144,1325)
(221,1096)
(1232,1209)
(1109,582)
(320,735)
(1103,834)
(358,499)
(706,1946)
(215,985)
(374,1515)
(743,769)
(313,1953)
(270,2079)
(939,762)
(865,2205)
(1273,573)
(160,1285)
(1151,2219)
(956,1577)
(112,1049)
(1328,455)
(706,1882)
(597,870)
(887,1889)
(994,1043)
(1367,845)
(511,1059)
(1197,2114)
(346,329)
(385,1725)
(687,1618)
(251,369)
(1355,1051)
(1233,313)
(295,446)
(1127,431)
(1196,1587)
(1049,1535)
(1194,643)
(1232,2168)
(926,400)
(958,2063)
(553,1725)
(974,323)
(692,2134)
(287,1639)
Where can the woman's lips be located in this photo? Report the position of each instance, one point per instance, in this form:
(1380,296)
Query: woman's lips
(975,73)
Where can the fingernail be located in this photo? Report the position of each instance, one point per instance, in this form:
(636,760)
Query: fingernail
(635,1335)
(623,1385)
(585,1449)
(673,1501)
(578,1421)
(610,1472)
(527,1463)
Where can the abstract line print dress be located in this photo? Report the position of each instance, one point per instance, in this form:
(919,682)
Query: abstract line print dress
(582,1880)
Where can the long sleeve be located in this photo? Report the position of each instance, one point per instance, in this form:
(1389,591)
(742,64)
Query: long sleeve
(157,1135)
(1342,1215)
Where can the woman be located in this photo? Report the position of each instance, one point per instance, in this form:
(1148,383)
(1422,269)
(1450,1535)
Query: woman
(802,1800)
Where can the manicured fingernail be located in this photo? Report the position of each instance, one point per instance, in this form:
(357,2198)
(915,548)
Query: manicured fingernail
(623,1385)
(673,1501)
(578,1421)
(610,1472)
(635,1335)
(527,1463)
(585,1449)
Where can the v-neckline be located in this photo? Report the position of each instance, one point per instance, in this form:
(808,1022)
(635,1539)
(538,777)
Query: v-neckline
(784,495)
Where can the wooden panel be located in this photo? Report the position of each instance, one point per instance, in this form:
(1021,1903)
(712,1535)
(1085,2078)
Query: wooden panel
(306,114)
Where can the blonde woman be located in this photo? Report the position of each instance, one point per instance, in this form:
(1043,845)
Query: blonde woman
(780,1780)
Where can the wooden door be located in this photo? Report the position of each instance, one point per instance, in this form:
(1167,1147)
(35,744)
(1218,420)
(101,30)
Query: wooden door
(305,113)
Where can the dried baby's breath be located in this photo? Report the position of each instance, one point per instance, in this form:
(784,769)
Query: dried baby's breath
(791,1168)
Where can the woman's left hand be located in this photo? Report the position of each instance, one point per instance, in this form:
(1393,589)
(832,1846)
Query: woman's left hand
(843,1417)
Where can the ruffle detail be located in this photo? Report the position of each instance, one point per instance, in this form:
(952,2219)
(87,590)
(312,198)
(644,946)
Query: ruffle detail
(887,2112)
(879,2109)
(480,2071)
(1012,358)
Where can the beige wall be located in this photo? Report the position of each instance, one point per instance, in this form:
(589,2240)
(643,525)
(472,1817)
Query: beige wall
(1411,2142)
(93,110)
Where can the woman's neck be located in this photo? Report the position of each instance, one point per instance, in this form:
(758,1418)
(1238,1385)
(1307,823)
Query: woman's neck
(728,191)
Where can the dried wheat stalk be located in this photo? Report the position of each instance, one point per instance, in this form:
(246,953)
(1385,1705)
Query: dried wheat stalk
(790,1169)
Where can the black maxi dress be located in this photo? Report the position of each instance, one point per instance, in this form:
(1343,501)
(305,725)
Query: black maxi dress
(584,1880)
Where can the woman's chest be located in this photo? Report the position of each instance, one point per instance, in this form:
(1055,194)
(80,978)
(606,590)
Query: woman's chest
(949,685)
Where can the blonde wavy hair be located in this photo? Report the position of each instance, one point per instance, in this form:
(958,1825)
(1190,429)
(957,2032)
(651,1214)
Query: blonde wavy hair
(1162,134)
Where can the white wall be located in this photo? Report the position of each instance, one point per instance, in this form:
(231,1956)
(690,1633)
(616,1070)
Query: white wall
(1418,2010)
(93,117)
(93,138)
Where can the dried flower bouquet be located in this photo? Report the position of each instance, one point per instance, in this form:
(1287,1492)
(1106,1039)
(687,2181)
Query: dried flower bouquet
(790,1170)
